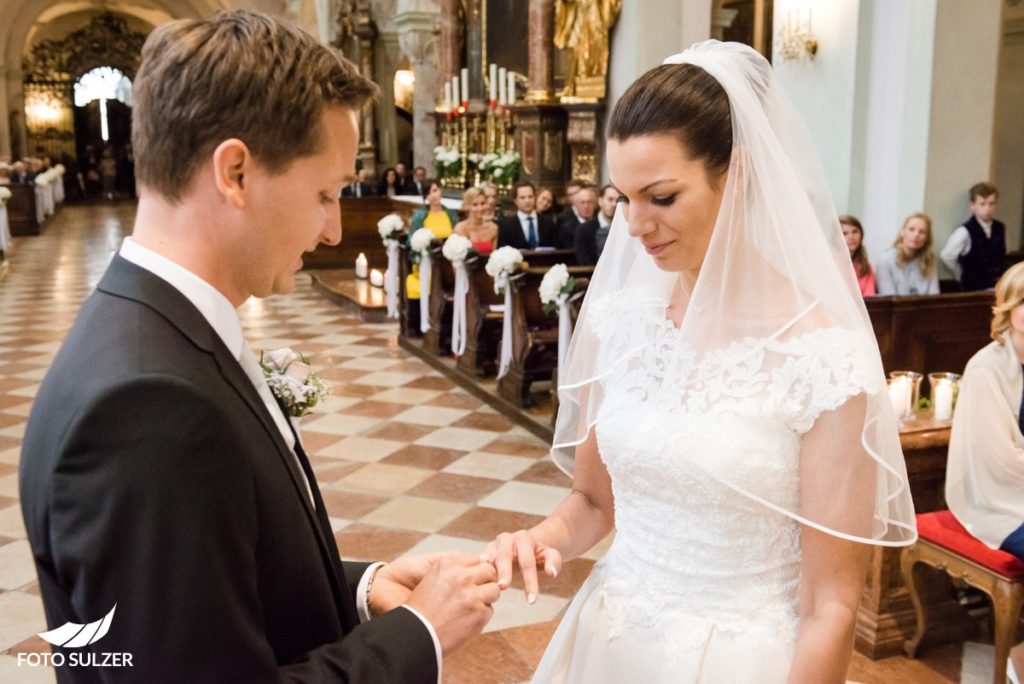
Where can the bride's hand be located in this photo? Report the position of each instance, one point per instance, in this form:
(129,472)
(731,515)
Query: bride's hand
(521,546)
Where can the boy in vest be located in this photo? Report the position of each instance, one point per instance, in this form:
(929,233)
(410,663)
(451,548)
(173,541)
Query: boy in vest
(976,251)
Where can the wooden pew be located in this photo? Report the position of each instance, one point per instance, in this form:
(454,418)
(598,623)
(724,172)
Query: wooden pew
(546,258)
(534,336)
(930,333)
(21,209)
(408,309)
(359,217)
(483,326)
(438,340)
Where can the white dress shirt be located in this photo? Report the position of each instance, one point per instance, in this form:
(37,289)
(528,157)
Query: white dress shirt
(526,225)
(959,244)
(223,318)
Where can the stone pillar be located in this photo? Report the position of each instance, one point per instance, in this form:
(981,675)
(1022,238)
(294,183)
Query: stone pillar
(5,130)
(386,59)
(417,22)
(542,37)
(366,33)
(475,51)
(451,39)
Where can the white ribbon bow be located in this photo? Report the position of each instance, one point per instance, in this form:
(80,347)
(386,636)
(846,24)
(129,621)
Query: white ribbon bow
(392,277)
(425,272)
(506,325)
(459,308)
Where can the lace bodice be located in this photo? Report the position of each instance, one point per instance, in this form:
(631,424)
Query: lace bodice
(690,552)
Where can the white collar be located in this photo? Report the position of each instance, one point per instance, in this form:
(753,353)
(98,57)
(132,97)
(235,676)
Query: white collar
(523,217)
(987,225)
(602,221)
(213,305)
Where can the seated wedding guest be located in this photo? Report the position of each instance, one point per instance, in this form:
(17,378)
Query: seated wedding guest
(985,466)
(491,200)
(584,205)
(546,203)
(436,218)
(358,187)
(19,173)
(527,228)
(416,184)
(401,177)
(592,235)
(480,230)
(389,186)
(909,267)
(976,251)
(571,188)
(853,233)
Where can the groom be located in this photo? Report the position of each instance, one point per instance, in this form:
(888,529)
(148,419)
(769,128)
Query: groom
(158,473)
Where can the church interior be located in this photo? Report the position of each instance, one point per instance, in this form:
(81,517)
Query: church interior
(443,359)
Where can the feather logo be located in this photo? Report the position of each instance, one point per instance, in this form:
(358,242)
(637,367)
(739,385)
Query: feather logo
(74,635)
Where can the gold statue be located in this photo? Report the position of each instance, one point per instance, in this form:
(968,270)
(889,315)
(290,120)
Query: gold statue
(583,26)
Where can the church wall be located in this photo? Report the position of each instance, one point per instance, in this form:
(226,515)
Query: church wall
(1009,134)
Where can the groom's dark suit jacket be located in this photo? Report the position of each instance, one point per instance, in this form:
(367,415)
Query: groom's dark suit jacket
(153,477)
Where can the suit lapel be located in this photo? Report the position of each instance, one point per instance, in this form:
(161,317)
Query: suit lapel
(125,279)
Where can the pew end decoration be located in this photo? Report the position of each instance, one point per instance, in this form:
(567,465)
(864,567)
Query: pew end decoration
(556,287)
(292,381)
(501,266)
(455,249)
(392,232)
(419,246)
(5,194)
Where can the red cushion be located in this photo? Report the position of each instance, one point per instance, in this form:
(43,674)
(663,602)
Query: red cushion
(943,529)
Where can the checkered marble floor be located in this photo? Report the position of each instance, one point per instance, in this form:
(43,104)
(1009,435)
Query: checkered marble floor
(407,462)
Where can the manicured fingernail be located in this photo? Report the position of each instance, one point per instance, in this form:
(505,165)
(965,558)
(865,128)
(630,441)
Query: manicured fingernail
(531,598)
(502,582)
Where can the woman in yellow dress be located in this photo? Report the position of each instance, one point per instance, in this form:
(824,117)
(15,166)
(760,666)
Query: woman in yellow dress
(439,220)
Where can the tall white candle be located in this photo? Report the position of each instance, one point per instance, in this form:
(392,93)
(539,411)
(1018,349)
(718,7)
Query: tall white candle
(494,82)
(900,396)
(943,400)
(455,91)
(465,85)
(376,278)
(511,88)
(361,265)
(502,87)
(447,96)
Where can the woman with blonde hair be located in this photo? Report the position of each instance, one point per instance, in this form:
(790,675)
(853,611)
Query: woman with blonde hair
(985,468)
(480,230)
(909,267)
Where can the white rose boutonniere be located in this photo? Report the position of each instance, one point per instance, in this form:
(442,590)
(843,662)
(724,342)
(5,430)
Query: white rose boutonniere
(292,381)
(456,248)
(557,284)
(391,227)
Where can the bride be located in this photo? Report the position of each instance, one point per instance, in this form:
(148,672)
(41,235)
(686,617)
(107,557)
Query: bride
(723,405)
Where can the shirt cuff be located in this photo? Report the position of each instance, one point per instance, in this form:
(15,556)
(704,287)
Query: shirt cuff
(362,604)
(433,636)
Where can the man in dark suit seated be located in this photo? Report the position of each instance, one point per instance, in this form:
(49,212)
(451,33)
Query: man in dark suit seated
(158,472)
(416,184)
(526,229)
(584,206)
(571,188)
(20,173)
(358,187)
(592,235)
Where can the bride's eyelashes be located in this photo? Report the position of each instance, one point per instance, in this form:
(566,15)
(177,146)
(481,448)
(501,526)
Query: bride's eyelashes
(666,201)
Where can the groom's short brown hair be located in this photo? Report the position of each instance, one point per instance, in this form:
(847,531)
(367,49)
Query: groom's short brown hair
(243,75)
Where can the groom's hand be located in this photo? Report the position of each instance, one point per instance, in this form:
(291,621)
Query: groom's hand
(395,581)
(455,595)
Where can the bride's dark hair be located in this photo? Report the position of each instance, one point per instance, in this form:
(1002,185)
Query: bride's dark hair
(683,100)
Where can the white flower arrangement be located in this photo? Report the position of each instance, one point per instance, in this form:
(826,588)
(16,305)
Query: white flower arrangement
(503,168)
(420,240)
(556,285)
(456,248)
(391,227)
(42,180)
(503,261)
(447,161)
(292,381)
(5,194)
(59,168)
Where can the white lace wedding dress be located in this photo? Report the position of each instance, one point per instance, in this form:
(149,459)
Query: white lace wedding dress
(701,583)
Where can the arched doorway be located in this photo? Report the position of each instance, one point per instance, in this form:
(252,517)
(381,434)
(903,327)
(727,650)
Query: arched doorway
(103,120)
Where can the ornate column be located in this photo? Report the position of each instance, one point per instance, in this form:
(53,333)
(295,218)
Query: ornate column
(365,31)
(451,39)
(417,22)
(475,48)
(542,37)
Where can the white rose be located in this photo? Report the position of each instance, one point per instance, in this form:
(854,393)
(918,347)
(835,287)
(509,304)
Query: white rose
(279,359)
(456,247)
(390,224)
(420,240)
(503,260)
(553,282)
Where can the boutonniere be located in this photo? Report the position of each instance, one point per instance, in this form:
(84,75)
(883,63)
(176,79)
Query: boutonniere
(292,381)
